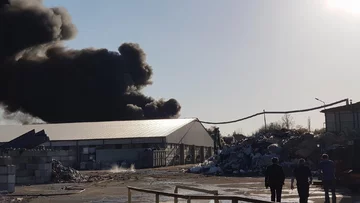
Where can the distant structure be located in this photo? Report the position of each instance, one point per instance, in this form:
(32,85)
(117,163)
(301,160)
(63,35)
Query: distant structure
(181,141)
(343,118)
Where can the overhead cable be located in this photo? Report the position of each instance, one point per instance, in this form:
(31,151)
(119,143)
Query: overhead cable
(276,112)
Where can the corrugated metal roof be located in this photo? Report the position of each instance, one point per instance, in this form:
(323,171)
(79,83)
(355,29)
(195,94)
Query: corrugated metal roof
(98,130)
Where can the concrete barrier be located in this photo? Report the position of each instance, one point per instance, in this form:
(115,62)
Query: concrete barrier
(7,175)
(30,166)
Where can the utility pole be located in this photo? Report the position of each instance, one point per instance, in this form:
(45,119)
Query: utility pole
(324,109)
(309,124)
(264,119)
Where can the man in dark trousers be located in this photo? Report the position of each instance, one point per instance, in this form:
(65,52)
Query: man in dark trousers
(327,168)
(303,177)
(275,178)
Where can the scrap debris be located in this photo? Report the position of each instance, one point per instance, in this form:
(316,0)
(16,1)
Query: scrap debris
(62,174)
(251,155)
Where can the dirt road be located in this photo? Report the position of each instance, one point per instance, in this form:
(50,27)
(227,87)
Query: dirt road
(107,187)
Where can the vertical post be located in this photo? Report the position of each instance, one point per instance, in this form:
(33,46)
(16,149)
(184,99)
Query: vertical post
(357,119)
(264,119)
(193,154)
(129,195)
(218,137)
(189,200)
(202,154)
(216,200)
(175,198)
(78,155)
(215,142)
(336,122)
(182,154)
(234,201)
(157,198)
(354,118)
(339,122)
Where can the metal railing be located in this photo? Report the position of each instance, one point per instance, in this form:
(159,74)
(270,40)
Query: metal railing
(216,198)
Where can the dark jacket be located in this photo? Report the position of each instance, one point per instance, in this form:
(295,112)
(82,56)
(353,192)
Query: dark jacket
(274,176)
(302,174)
(328,169)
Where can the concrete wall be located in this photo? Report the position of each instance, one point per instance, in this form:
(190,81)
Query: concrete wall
(32,166)
(191,134)
(66,157)
(142,158)
(7,175)
(115,155)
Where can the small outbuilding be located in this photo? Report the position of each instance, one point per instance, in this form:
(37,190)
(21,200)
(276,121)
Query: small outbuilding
(342,118)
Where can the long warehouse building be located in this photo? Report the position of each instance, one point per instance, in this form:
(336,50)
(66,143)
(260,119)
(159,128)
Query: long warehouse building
(101,144)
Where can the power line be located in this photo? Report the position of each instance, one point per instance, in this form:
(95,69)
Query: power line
(275,112)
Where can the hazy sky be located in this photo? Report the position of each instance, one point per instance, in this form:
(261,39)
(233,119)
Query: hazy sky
(227,59)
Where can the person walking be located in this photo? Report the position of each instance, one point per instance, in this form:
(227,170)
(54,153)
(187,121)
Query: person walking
(327,167)
(303,177)
(275,179)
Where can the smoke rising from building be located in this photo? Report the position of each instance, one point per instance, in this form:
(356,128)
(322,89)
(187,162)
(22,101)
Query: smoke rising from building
(40,77)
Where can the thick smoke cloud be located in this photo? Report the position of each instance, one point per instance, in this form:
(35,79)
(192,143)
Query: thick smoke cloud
(40,77)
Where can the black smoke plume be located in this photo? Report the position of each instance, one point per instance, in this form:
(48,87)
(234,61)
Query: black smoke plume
(40,77)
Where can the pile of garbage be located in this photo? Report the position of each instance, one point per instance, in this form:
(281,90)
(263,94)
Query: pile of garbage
(62,174)
(251,155)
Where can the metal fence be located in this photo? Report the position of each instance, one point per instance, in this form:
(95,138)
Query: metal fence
(159,158)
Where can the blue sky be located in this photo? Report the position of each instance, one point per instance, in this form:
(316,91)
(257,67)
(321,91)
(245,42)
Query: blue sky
(227,59)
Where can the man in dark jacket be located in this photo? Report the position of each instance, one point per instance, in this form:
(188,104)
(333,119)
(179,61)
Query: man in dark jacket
(327,168)
(275,178)
(303,177)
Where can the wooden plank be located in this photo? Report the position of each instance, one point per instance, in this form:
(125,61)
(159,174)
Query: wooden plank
(157,198)
(129,195)
(175,198)
(199,197)
(214,192)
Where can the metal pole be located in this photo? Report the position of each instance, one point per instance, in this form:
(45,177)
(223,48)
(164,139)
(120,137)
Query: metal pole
(264,119)
(322,102)
(324,112)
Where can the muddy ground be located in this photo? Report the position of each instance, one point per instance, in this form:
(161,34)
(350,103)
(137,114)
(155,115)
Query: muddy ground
(108,187)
